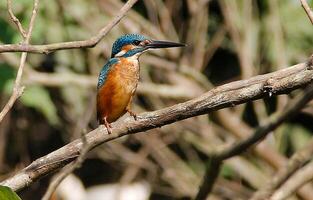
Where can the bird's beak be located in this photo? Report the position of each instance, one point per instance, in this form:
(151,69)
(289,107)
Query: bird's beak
(154,44)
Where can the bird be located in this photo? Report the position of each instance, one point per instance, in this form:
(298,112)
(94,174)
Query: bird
(119,77)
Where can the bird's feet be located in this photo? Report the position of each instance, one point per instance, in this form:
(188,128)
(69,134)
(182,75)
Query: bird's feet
(131,113)
(108,126)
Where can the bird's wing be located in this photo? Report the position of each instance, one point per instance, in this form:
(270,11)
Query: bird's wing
(105,70)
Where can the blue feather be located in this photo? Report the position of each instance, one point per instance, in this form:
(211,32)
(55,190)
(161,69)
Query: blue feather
(132,52)
(105,70)
(125,40)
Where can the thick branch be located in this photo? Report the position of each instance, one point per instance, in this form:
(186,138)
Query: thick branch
(282,81)
(69,45)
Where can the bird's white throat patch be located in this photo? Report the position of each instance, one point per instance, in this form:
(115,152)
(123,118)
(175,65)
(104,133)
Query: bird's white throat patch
(121,53)
(135,57)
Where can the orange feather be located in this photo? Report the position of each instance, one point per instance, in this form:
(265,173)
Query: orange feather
(115,95)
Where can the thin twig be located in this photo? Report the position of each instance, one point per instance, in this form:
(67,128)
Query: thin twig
(70,45)
(81,125)
(238,92)
(15,19)
(18,89)
(273,122)
(209,178)
(307,9)
(58,178)
(85,146)
(295,163)
(260,133)
(300,178)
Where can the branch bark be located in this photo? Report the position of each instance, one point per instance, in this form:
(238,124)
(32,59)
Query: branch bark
(279,82)
(93,41)
(307,10)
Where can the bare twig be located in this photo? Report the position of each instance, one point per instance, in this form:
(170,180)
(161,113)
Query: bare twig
(18,89)
(273,122)
(81,126)
(296,162)
(282,81)
(70,45)
(260,133)
(209,178)
(85,147)
(68,169)
(15,19)
(295,182)
(307,9)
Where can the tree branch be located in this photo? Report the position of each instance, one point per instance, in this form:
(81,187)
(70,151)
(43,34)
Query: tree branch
(211,174)
(282,81)
(69,45)
(307,9)
(300,178)
(58,178)
(18,89)
(272,123)
(15,19)
(261,132)
(295,163)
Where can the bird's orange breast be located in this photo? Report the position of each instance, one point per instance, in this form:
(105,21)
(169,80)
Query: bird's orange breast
(115,94)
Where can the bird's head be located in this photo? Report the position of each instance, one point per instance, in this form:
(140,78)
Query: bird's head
(135,44)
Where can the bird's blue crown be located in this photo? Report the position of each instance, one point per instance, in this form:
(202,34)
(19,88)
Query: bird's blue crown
(126,40)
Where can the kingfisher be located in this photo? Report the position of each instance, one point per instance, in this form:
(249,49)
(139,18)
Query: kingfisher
(118,79)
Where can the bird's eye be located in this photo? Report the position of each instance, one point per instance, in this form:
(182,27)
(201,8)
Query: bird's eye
(136,42)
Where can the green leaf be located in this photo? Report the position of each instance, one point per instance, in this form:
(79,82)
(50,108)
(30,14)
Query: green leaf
(8,194)
(38,98)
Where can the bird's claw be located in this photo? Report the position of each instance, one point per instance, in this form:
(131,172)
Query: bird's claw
(108,126)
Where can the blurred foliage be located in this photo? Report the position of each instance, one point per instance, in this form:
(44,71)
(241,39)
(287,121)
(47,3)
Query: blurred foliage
(7,74)
(37,97)
(227,40)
